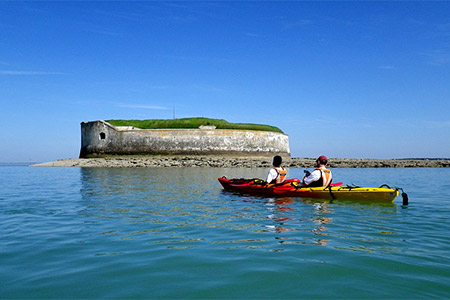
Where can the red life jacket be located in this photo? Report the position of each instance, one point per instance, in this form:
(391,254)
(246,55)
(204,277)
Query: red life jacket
(281,174)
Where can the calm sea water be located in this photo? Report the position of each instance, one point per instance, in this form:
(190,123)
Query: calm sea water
(174,233)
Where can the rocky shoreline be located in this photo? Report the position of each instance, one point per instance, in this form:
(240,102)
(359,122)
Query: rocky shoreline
(243,162)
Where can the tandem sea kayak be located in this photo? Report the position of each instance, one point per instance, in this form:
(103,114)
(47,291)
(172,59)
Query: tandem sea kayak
(293,188)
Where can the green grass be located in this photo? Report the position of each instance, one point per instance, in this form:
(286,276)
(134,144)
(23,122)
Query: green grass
(191,123)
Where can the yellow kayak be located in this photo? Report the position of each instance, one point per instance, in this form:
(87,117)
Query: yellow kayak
(344,192)
(293,188)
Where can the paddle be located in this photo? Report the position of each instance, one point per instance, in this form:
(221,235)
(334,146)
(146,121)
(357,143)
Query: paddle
(287,187)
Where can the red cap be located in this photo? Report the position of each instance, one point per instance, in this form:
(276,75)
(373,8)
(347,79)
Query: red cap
(323,159)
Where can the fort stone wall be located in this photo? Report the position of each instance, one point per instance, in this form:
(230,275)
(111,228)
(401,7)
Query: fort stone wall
(101,138)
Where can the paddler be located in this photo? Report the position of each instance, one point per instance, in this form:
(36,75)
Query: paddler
(321,176)
(278,173)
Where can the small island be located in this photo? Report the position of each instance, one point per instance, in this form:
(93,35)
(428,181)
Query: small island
(202,142)
(190,136)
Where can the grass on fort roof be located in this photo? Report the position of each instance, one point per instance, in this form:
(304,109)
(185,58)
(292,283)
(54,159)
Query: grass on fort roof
(191,123)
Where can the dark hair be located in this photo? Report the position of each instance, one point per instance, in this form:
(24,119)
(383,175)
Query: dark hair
(277,160)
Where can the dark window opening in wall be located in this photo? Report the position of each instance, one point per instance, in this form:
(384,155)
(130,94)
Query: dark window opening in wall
(102,135)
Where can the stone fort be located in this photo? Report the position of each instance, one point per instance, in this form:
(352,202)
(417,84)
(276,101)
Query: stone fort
(101,138)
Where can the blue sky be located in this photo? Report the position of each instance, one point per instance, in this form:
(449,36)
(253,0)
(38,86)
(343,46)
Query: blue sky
(357,79)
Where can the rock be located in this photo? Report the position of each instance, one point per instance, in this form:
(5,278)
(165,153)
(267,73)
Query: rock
(245,162)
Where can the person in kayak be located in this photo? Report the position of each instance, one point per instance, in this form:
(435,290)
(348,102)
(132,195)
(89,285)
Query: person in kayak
(321,176)
(278,173)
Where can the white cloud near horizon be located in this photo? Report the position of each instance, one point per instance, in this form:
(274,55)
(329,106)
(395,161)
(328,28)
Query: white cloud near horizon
(141,106)
(387,67)
(254,35)
(437,57)
(437,124)
(28,73)
(200,58)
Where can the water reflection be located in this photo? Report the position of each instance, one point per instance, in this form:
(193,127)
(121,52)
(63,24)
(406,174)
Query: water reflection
(321,218)
(186,208)
(284,214)
(164,207)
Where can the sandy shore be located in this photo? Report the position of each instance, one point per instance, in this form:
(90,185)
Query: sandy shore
(225,162)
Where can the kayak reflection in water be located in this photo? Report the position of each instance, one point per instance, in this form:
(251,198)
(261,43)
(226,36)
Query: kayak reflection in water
(321,176)
(278,173)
